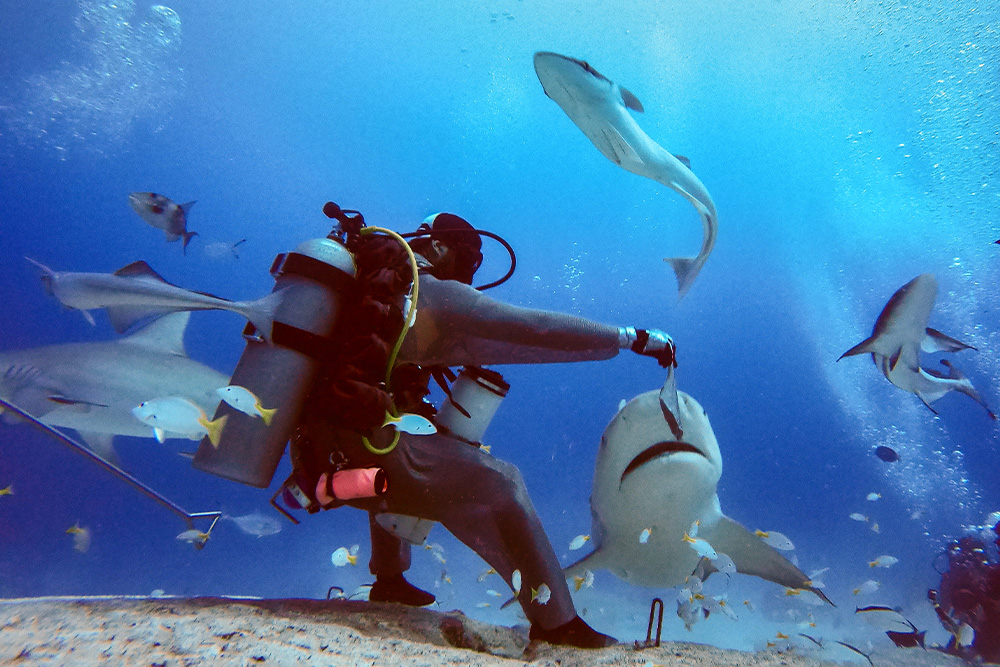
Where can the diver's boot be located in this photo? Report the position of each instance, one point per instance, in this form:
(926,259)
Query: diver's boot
(397,589)
(572,633)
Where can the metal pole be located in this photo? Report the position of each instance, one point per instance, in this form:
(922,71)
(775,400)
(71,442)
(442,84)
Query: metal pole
(188,517)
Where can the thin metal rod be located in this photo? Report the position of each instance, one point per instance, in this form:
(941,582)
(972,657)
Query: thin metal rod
(659,623)
(112,468)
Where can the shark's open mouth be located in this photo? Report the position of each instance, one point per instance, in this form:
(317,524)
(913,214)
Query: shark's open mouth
(657,450)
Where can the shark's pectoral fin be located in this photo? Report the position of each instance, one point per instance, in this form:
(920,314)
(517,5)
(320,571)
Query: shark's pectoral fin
(101,444)
(630,100)
(935,341)
(868,345)
(617,149)
(595,560)
(752,556)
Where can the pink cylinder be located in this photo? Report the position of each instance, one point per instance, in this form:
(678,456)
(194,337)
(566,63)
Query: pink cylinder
(359,483)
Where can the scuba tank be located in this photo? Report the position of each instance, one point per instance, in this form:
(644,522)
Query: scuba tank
(466,414)
(315,281)
(474,399)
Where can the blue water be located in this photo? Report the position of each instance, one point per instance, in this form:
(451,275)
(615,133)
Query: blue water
(848,147)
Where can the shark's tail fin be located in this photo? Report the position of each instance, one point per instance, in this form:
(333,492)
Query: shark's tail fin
(686,269)
(187,239)
(261,312)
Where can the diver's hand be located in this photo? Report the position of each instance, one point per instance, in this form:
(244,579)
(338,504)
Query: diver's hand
(657,344)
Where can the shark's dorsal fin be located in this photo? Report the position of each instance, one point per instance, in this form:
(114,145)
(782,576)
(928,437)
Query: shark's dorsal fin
(935,341)
(630,100)
(139,269)
(165,334)
(683,160)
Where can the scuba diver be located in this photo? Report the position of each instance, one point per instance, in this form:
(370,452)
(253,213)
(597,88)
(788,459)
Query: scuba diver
(969,595)
(364,383)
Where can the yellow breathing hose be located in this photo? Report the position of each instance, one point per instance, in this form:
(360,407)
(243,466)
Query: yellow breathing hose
(410,316)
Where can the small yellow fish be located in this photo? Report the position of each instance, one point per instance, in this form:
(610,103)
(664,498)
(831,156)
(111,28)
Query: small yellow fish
(9,491)
(883,561)
(644,535)
(578,542)
(482,605)
(410,423)
(781,635)
(858,516)
(873,496)
(482,577)
(542,594)
(586,580)
(793,591)
(485,448)
(193,536)
(343,556)
(496,594)
(246,402)
(869,586)
(81,537)
(875,527)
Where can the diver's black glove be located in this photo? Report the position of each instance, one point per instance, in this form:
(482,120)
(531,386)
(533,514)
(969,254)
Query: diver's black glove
(653,343)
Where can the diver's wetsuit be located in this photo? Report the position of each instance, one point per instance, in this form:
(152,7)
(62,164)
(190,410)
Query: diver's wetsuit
(478,498)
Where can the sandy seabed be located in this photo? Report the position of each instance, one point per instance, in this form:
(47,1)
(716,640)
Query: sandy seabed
(180,632)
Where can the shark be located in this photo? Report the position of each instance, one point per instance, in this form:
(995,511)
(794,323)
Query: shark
(92,387)
(600,108)
(136,292)
(656,475)
(899,336)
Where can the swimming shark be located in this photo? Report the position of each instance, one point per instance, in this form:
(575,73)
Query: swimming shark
(92,387)
(136,292)
(901,332)
(657,470)
(163,213)
(599,107)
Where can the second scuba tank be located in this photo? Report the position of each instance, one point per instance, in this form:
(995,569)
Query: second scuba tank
(475,397)
(466,414)
(315,280)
